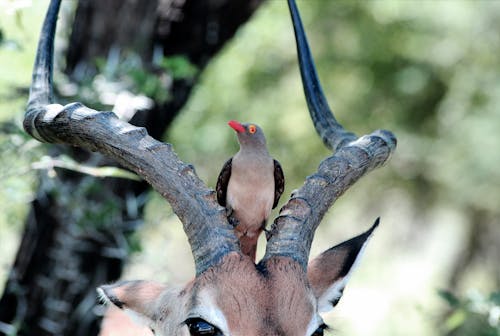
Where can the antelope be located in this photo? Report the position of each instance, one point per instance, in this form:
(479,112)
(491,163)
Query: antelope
(283,293)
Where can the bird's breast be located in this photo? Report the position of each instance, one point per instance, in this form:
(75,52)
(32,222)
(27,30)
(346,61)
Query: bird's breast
(250,191)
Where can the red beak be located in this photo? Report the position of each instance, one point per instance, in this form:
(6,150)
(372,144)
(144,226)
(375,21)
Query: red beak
(236,126)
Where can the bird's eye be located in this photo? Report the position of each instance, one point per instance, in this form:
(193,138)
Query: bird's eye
(199,327)
(320,331)
(252,129)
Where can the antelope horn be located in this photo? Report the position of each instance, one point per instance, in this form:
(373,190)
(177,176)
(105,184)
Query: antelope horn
(41,83)
(204,221)
(330,131)
(292,232)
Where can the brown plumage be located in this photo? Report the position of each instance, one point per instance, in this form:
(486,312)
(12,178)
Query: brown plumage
(250,185)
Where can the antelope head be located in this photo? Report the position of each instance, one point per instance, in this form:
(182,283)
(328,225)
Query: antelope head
(284,293)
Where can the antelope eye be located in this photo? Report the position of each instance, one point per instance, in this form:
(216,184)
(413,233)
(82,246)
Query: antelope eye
(252,129)
(320,331)
(199,327)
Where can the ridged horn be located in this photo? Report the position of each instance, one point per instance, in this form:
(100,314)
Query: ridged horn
(292,232)
(331,132)
(210,235)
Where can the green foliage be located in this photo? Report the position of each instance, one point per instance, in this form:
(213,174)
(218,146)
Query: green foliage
(17,47)
(15,11)
(125,72)
(149,85)
(17,150)
(156,84)
(178,67)
(472,315)
(134,243)
(8,43)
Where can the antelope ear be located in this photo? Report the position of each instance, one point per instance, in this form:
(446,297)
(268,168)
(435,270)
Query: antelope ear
(139,299)
(329,272)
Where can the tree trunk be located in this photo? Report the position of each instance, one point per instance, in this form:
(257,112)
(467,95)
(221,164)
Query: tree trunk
(77,234)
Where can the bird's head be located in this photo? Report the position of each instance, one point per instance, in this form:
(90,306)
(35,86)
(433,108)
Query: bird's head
(249,134)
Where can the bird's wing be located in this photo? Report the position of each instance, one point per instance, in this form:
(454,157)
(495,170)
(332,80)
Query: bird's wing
(222,182)
(279,182)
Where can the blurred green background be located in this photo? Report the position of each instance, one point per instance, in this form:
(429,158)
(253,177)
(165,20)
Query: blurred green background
(427,70)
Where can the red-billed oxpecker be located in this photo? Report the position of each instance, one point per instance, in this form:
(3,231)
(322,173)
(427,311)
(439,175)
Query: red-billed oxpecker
(250,185)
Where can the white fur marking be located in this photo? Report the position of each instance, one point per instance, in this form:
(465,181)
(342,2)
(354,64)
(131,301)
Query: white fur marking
(316,321)
(334,292)
(210,312)
(137,318)
(103,298)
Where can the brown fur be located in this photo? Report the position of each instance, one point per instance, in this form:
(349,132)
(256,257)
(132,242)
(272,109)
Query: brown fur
(275,297)
(118,323)
(275,301)
(324,270)
(270,299)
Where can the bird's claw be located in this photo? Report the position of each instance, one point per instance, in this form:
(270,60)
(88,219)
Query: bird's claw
(268,234)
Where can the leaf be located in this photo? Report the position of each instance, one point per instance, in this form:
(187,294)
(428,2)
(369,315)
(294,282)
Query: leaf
(179,67)
(455,320)
(449,297)
(495,298)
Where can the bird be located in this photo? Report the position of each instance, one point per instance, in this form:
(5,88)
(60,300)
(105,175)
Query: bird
(249,185)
